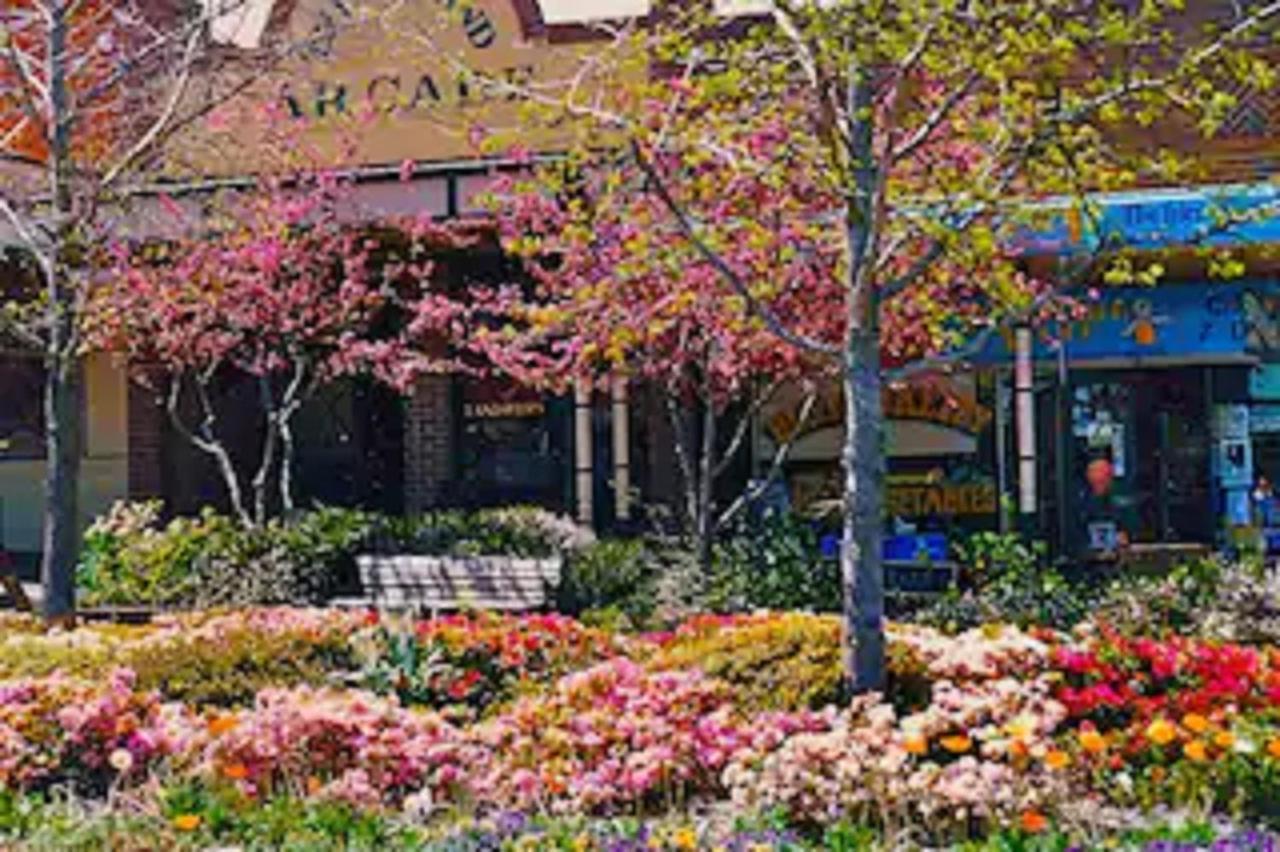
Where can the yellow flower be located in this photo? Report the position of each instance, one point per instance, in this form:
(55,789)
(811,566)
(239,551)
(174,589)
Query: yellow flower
(1057,759)
(957,744)
(1093,742)
(186,822)
(1224,739)
(916,745)
(582,843)
(685,838)
(1162,732)
(1196,751)
(1195,723)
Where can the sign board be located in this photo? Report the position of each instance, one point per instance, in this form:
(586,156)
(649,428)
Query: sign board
(391,79)
(1204,319)
(1211,216)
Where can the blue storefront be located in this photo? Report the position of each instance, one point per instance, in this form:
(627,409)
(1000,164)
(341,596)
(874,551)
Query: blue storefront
(1158,413)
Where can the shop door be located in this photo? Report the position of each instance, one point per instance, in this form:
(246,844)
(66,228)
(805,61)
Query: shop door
(1172,463)
(1151,427)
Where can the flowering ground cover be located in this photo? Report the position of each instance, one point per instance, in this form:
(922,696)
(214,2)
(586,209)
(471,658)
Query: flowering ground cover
(484,732)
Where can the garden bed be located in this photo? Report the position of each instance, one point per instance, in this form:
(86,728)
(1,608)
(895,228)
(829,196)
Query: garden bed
(340,728)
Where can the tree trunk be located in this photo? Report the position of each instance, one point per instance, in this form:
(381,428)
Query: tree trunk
(61,545)
(861,564)
(63,369)
(705,531)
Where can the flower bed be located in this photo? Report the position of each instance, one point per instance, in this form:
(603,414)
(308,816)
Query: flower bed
(994,730)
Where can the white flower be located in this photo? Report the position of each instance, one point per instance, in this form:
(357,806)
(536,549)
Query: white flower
(121,760)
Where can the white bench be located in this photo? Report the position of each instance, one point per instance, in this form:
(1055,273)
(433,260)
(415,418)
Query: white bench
(444,583)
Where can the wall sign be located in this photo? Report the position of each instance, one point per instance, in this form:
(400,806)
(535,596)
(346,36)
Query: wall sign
(937,402)
(1207,318)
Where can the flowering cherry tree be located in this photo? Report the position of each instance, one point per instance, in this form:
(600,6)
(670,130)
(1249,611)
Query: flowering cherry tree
(887,164)
(94,95)
(288,292)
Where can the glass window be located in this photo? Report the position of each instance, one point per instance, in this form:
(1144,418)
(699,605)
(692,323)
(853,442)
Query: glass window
(22,411)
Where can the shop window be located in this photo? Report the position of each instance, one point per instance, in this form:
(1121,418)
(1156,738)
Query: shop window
(22,414)
(514,446)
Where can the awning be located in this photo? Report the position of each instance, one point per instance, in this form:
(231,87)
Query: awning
(1222,216)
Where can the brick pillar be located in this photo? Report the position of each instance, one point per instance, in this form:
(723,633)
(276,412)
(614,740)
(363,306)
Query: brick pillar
(428,443)
(146,444)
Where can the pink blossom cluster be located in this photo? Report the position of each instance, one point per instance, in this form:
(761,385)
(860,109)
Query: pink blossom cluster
(875,768)
(342,744)
(618,734)
(56,728)
(985,652)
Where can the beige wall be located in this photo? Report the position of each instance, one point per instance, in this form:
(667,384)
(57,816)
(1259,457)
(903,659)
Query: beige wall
(104,476)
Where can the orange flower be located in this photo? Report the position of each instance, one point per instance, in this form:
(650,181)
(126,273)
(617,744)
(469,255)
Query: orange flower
(220,725)
(1162,732)
(1018,748)
(1057,759)
(1158,774)
(186,822)
(1273,748)
(1093,742)
(957,743)
(1196,751)
(1033,822)
(916,745)
(1224,739)
(236,771)
(1195,723)
(314,785)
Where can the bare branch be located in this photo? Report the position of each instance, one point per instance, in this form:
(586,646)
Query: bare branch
(780,456)
(158,127)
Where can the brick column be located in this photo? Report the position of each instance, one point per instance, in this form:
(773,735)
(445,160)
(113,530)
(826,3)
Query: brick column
(428,443)
(146,444)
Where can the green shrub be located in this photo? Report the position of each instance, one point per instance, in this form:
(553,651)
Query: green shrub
(774,562)
(613,582)
(521,531)
(211,559)
(1008,581)
(129,557)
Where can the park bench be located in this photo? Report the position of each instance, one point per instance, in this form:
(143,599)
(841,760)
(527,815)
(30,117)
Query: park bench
(431,584)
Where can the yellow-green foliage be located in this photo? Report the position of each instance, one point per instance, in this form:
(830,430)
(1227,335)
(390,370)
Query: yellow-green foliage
(194,667)
(786,661)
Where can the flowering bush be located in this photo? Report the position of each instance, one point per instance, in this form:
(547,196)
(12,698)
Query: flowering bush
(57,729)
(475,661)
(336,744)
(208,658)
(788,661)
(617,734)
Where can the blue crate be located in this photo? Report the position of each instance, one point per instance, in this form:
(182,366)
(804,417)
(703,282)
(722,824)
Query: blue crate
(931,547)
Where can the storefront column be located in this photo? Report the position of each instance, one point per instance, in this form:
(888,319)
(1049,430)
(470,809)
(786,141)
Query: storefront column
(621,451)
(583,454)
(1024,390)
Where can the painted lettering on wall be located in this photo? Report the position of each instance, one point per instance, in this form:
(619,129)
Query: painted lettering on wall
(943,499)
(405,92)
(926,402)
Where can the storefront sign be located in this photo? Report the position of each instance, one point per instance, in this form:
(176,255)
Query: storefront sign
(943,499)
(390,76)
(1213,216)
(503,410)
(1200,319)
(937,402)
